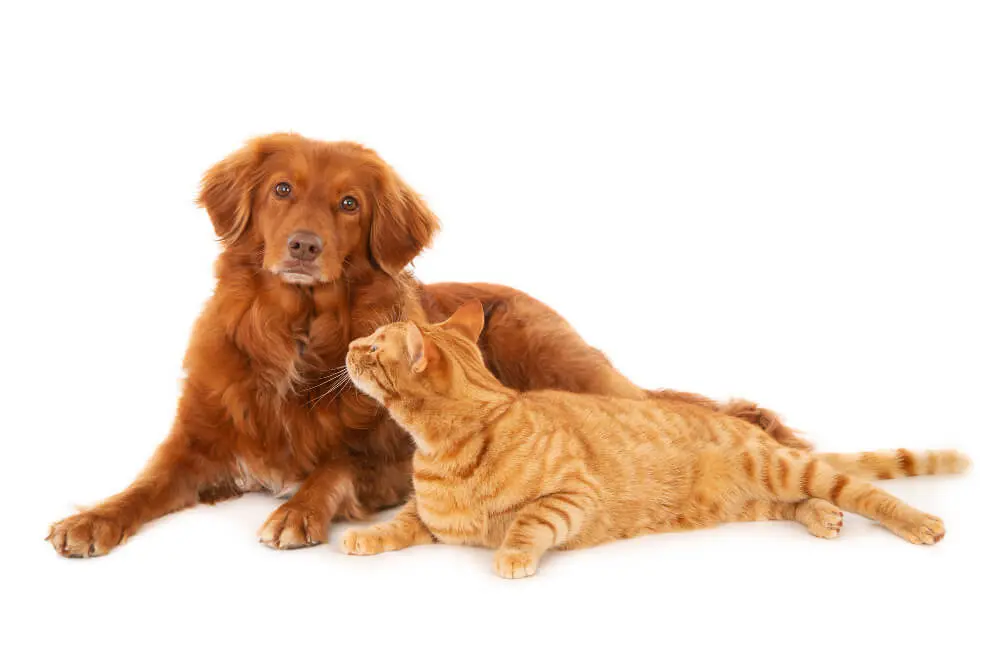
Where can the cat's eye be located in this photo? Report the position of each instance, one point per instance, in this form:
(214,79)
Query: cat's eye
(373,348)
(349,203)
(283,190)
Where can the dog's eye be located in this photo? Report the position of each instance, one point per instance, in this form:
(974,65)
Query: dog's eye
(373,348)
(283,189)
(349,203)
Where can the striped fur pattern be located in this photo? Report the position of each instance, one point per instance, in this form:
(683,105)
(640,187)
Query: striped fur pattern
(525,472)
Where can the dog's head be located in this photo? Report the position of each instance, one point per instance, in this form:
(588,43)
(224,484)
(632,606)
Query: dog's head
(310,208)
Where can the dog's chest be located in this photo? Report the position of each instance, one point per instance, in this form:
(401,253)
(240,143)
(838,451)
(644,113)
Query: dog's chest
(318,349)
(250,476)
(301,403)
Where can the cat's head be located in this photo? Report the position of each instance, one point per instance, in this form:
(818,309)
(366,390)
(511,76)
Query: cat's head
(407,360)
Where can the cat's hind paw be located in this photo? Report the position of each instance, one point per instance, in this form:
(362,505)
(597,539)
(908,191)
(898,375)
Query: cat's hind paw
(821,518)
(921,529)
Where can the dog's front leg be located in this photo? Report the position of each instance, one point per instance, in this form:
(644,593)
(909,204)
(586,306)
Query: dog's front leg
(171,481)
(304,520)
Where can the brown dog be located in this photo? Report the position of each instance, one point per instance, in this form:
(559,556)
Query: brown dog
(316,237)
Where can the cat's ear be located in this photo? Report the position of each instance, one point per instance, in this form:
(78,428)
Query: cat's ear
(420,348)
(467,321)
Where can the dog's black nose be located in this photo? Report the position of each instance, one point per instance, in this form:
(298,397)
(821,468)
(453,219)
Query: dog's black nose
(304,245)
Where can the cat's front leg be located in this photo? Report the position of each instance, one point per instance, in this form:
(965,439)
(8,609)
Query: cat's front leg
(402,531)
(539,526)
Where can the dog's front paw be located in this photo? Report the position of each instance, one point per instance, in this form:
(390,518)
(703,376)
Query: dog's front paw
(292,527)
(86,534)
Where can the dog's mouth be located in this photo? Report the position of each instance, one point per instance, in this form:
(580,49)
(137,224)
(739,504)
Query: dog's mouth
(298,272)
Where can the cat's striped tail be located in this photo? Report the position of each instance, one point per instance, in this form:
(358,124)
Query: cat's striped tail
(892,463)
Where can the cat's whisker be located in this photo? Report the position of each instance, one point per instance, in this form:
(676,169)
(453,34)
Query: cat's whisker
(323,379)
(337,375)
(346,385)
(336,387)
(333,385)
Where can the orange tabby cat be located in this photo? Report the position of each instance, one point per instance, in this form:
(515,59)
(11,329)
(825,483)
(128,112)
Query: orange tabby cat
(524,472)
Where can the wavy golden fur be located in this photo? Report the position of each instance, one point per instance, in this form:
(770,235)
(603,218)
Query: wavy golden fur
(525,472)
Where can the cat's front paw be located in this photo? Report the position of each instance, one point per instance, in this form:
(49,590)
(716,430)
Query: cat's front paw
(367,541)
(515,564)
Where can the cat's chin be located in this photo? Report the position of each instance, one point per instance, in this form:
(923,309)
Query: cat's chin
(363,386)
(368,392)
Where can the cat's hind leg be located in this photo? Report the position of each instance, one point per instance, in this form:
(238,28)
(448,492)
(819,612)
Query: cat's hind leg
(401,531)
(792,476)
(821,518)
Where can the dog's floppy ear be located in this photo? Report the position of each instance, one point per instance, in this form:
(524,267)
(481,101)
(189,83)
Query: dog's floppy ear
(402,224)
(227,188)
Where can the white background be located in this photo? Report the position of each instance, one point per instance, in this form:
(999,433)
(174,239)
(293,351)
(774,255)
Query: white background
(794,202)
